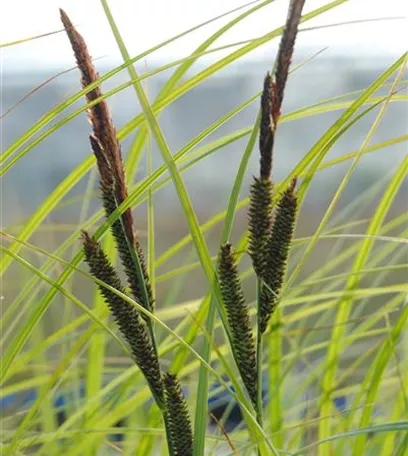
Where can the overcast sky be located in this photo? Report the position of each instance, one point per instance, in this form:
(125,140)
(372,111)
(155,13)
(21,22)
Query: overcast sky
(146,23)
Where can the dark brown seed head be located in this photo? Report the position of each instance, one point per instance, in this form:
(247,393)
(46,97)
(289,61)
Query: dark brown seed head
(125,314)
(266,130)
(238,319)
(277,253)
(284,58)
(260,222)
(178,417)
(104,132)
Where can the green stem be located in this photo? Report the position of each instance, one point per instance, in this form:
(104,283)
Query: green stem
(160,401)
(259,405)
(168,434)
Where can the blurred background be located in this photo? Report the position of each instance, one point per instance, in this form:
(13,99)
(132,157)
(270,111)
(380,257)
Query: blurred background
(352,56)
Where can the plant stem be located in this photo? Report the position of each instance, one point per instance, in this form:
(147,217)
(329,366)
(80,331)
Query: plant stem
(259,414)
(168,434)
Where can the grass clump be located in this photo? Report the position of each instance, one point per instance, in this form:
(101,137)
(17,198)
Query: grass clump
(275,384)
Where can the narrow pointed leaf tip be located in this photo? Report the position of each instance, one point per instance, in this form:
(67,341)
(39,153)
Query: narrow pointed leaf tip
(125,314)
(238,319)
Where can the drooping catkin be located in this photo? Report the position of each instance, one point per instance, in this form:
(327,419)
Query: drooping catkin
(181,432)
(107,151)
(277,253)
(125,314)
(238,319)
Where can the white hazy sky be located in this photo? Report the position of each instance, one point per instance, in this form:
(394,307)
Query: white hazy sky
(146,23)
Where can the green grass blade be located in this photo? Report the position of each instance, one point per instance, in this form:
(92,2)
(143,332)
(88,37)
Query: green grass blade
(398,426)
(343,313)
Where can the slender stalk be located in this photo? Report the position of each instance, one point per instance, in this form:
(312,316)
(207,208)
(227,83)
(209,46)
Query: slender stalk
(150,328)
(168,433)
(259,353)
(259,404)
(139,271)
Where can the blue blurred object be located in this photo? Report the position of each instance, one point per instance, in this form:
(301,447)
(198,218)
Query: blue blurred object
(340,403)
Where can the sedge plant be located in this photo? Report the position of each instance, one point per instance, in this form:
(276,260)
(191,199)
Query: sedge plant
(359,285)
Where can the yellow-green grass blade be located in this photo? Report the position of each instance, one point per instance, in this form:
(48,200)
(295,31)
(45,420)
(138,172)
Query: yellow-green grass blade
(369,322)
(182,70)
(344,310)
(384,356)
(396,426)
(399,412)
(327,139)
(275,338)
(378,317)
(45,390)
(16,345)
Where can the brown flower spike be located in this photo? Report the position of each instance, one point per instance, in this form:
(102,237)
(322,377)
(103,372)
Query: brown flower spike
(107,151)
(264,233)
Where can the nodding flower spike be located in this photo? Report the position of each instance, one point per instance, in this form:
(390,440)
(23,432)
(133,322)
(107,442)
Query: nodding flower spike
(107,151)
(125,314)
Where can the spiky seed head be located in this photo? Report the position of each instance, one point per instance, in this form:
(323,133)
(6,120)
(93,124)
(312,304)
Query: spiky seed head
(260,222)
(125,314)
(266,130)
(277,252)
(181,432)
(284,57)
(238,319)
